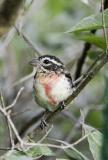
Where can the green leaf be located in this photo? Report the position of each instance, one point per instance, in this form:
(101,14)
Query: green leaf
(93,54)
(95,141)
(74,153)
(85,1)
(29,155)
(15,155)
(91,22)
(37,151)
(105,126)
(93,39)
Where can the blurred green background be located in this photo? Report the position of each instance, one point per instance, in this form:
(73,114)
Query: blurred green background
(45,23)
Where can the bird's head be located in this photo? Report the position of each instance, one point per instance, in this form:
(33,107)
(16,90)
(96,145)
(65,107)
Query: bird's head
(47,63)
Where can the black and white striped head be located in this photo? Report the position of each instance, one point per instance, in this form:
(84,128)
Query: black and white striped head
(48,63)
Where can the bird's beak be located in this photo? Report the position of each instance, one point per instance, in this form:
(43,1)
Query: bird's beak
(34,62)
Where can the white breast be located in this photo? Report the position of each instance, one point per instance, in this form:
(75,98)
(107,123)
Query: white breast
(41,91)
(61,90)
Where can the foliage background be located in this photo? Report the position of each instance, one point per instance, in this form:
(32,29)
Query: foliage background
(45,23)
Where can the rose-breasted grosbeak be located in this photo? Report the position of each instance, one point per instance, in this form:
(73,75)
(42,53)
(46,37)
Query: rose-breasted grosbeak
(52,82)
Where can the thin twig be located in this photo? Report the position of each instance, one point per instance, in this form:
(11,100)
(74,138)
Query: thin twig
(78,80)
(7,115)
(20,113)
(11,124)
(43,138)
(8,38)
(11,134)
(15,100)
(29,5)
(67,145)
(22,80)
(2,99)
(14,130)
(8,125)
(28,41)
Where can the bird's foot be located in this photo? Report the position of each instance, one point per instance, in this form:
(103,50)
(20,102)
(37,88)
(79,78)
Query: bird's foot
(43,124)
(62,105)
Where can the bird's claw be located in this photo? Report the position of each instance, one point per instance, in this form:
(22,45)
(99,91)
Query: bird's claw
(62,105)
(43,124)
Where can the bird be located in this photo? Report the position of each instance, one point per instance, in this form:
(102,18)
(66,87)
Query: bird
(52,83)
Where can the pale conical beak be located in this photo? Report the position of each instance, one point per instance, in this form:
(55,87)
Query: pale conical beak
(34,62)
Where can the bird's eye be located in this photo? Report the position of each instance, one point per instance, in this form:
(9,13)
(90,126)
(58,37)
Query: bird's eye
(46,61)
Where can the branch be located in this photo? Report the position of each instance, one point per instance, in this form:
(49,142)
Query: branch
(15,100)
(87,46)
(63,144)
(6,113)
(8,14)
(81,60)
(8,125)
(89,75)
